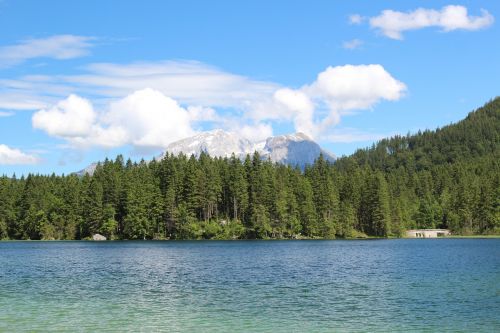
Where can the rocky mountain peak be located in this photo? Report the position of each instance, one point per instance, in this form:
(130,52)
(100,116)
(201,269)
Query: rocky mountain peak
(294,149)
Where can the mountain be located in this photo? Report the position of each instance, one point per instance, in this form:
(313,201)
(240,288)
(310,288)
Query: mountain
(293,149)
(476,136)
(216,143)
(87,170)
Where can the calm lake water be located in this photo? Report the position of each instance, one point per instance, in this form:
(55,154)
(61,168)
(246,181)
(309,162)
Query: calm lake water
(251,286)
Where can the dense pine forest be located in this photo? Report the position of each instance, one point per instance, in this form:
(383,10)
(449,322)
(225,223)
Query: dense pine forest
(447,178)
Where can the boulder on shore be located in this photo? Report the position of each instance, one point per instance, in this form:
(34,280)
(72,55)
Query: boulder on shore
(98,237)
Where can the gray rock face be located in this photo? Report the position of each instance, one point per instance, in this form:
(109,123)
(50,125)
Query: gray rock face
(98,237)
(88,170)
(294,149)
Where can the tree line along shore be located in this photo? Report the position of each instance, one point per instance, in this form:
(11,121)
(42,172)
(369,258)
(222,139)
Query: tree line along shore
(446,178)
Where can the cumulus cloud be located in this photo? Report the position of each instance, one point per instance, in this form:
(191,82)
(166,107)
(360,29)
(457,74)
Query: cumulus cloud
(55,47)
(356,87)
(352,44)
(349,87)
(106,137)
(393,23)
(317,107)
(11,156)
(72,117)
(301,109)
(150,118)
(144,119)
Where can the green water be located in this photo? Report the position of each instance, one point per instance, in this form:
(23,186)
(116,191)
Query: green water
(251,286)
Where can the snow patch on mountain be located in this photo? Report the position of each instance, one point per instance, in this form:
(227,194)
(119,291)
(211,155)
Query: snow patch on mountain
(294,149)
(215,143)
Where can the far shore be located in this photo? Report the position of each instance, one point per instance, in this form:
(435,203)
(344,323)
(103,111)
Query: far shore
(269,239)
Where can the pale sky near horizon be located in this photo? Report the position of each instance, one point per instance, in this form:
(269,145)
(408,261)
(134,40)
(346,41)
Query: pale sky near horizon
(85,80)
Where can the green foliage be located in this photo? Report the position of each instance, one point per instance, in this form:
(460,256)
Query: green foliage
(3,230)
(109,225)
(448,178)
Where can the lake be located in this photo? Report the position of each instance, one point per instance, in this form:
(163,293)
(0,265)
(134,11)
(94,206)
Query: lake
(251,286)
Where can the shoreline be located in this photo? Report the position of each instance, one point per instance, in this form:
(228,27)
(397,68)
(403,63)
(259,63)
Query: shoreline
(269,239)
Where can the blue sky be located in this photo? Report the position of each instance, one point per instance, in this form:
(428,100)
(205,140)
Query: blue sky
(81,81)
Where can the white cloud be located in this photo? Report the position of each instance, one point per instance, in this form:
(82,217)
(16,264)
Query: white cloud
(316,108)
(11,156)
(203,114)
(106,137)
(184,95)
(346,88)
(356,19)
(72,117)
(256,132)
(150,118)
(301,107)
(56,47)
(353,87)
(188,82)
(393,23)
(21,101)
(294,100)
(352,44)
(32,92)
(144,119)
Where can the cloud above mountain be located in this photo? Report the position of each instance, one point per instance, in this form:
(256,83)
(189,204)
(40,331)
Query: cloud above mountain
(147,105)
(180,98)
(317,107)
(145,119)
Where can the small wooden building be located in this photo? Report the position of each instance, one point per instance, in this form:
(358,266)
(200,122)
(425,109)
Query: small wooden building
(427,233)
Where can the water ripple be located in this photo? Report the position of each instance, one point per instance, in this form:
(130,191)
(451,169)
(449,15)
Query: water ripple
(251,286)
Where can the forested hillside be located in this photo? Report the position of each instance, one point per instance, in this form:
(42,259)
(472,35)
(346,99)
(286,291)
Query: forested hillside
(446,178)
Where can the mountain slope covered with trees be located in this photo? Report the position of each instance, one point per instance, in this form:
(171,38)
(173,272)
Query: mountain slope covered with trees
(446,178)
